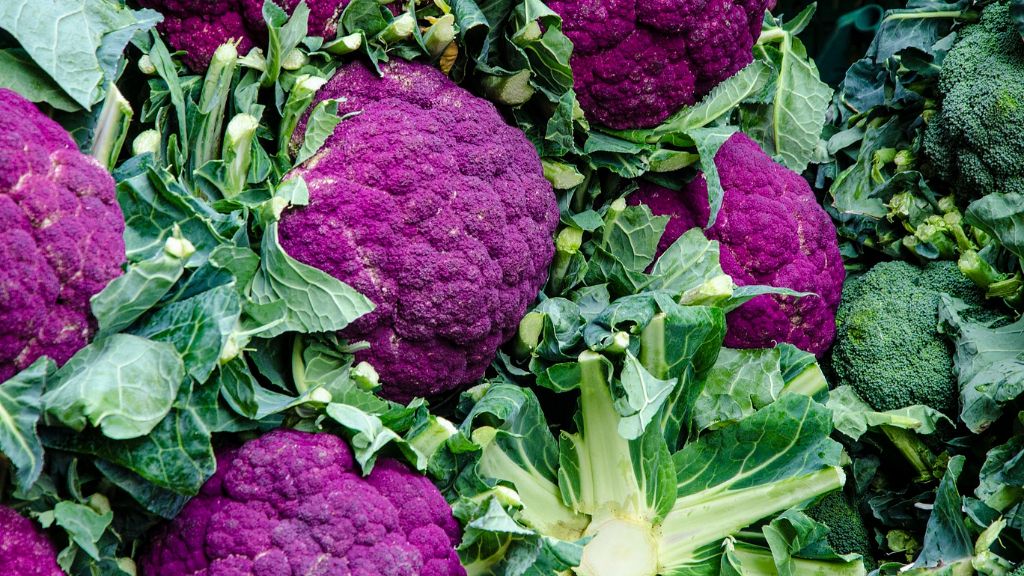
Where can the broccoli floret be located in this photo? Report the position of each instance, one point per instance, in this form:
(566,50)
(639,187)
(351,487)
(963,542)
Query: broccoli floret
(976,140)
(1018,571)
(887,344)
(847,532)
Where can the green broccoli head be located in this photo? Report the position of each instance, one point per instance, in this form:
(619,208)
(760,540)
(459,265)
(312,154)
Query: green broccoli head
(887,344)
(1018,571)
(847,532)
(976,140)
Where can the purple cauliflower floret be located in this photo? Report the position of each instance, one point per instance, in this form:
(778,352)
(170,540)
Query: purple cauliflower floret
(636,62)
(292,502)
(62,237)
(198,27)
(24,549)
(437,211)
(772,232)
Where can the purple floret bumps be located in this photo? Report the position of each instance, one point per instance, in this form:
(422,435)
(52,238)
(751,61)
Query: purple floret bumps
(24,549)
(635,62)
(772,232)
(293,502)
(437,211)
(62,235)
(199,27)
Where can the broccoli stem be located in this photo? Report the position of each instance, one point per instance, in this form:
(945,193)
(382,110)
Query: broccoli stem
(919,456)
(111,128)
(567,246)
(652,347)
(759,562)
(238,153)
(212,105)
(298,101)
(712,515)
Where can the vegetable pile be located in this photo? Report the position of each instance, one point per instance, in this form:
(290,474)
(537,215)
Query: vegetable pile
(435,288)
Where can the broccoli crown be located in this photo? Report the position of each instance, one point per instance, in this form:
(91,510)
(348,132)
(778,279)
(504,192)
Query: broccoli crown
(1018,571)
(976,141)
(292,502)
(847,533)
(772,232)
(24,549)
(63,237)
(436,210)
(198,27)
(887,344)
(635,62)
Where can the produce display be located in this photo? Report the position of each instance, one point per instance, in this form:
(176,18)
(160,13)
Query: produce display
(518,288)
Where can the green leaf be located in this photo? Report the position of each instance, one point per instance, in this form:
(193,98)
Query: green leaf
(741,382)
(946,540)
(198,327)
(316,301)
(132,294)
(20,408)
(77,42)
(19,73)
(789,126)
(644,398)
(176,455)
(989,364)
(83,524)
(123,384)
(321,124)
(708,141)
(1002,217)
(368,434)
(854,417)
(688,267)
(722,100)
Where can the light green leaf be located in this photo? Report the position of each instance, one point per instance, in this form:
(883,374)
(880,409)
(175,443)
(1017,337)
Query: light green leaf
(20,408)
(369,435)
(198,327)
(789,126)
(77,42)
(83,524)
(123,384)
(317,302)
(19,73)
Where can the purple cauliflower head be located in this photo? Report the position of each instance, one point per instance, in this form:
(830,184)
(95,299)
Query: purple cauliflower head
(436,210)
(199,26)
(635,62)
(772,232)
(24,549)
(292,502)
(63,237)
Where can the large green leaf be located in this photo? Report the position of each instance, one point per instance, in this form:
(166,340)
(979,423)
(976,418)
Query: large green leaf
(176,455)
(123,384)
(19,73)
(77,42)
(789,124)
(989,364)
